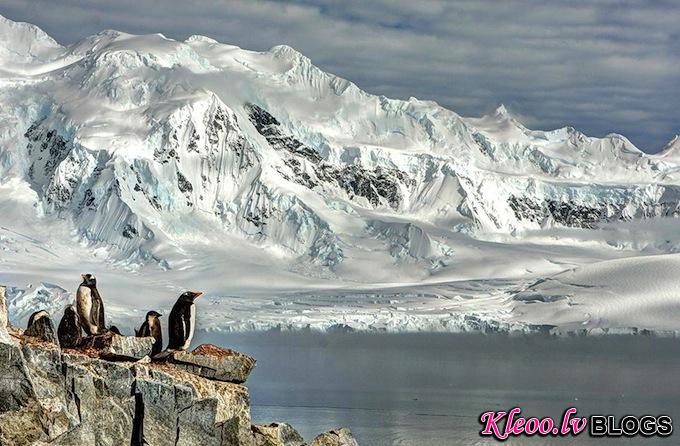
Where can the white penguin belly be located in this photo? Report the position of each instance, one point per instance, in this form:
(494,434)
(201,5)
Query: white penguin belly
(84,306)
(190,335)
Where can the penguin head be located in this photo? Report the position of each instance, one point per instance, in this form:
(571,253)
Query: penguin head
(38,315)
(153,314)
(89,279)
(190,296)
(70,310)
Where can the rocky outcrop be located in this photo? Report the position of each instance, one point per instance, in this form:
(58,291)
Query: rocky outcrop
(100,394)
(217,363)
(277,434)
(72,398)
(337,437)
(113,346)
(4,335)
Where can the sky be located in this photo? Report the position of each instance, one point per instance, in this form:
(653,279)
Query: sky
(601,66)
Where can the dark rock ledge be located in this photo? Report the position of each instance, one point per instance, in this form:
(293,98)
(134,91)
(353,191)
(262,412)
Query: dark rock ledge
(109,392)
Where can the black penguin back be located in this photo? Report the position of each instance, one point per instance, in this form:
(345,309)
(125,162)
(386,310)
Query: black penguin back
(143,330)
(97,308)
(157,334)
(69,330)
(177,322)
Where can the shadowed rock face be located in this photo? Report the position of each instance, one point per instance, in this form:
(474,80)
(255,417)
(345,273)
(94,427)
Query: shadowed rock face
(16,389)
(99,395)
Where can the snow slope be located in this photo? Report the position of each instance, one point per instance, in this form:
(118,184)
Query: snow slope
(630,292)
(296,199)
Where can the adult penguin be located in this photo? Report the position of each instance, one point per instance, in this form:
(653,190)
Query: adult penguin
(69,331)
(182,321)
(90,306)
(152,327)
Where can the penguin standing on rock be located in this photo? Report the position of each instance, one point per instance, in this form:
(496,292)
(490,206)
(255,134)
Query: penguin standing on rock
(152,327)
(90,306)
(69,331)
(182,321)
(40,326)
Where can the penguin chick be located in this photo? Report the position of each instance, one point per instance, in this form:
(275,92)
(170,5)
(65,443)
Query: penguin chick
(69,331)
(182,321)
(40,326)
(152,327)
(35,317)
(90,306)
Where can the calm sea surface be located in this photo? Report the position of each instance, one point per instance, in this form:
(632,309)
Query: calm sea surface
(429,389)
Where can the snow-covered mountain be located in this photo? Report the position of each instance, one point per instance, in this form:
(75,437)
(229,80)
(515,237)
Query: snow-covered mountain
(151,155)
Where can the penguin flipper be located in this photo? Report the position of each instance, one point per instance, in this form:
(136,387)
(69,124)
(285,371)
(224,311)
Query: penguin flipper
(101,318)
(97,311)
(143,330)
(94,311)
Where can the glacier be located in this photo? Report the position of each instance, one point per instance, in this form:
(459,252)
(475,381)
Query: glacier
(296,200)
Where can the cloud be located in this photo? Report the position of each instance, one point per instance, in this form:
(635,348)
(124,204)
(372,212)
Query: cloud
(606,66)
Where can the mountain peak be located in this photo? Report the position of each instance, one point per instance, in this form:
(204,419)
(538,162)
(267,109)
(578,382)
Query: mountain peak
(672,148)
(288,52)
(506,118)
(199,38)
(22,42)
(502,111)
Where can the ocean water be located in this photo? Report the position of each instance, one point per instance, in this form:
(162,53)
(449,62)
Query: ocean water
(430,389)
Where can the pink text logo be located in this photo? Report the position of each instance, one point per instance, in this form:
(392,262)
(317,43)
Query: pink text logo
(502,424)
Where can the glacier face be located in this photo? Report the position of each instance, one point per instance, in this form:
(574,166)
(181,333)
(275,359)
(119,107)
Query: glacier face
(147,147)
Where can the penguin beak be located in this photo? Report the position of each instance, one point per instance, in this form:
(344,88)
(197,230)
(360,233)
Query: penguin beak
(197,294)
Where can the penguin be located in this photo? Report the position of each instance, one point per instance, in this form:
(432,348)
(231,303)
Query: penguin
(90,306)
(40,326)
(35,317)
(69,331)
(182,321)
(152,327)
